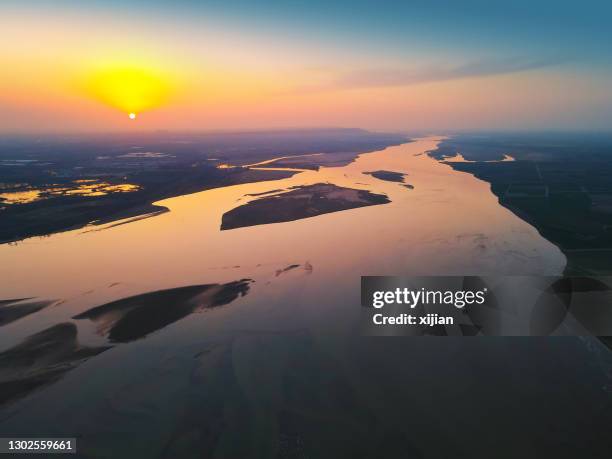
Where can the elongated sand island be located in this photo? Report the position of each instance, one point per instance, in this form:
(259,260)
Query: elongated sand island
(300,202)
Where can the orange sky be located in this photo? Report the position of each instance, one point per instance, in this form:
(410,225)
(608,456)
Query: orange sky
(87,72)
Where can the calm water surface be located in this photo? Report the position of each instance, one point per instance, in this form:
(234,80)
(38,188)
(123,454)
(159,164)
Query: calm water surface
(281,371)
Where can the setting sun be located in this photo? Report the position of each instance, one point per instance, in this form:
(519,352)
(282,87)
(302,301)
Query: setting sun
(326,229)
(130,90)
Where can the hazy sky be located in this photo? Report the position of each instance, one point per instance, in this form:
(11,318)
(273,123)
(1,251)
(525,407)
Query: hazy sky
(85,65)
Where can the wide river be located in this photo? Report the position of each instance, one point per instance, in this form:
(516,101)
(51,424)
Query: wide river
(281,371)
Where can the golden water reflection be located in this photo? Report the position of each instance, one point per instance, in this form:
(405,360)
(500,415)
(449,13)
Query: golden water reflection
(449,223)
(85,187)
(20,197)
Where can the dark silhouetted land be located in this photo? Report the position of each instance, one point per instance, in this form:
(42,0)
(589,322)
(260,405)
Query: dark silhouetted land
(51,184)
(559,183)
(135,317)
(388,176)
(300,202)
(40,360)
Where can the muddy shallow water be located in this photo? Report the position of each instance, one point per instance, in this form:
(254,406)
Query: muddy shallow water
(449,223)
(279,370)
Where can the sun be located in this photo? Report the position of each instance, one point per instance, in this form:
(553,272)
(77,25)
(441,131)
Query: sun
(132,90)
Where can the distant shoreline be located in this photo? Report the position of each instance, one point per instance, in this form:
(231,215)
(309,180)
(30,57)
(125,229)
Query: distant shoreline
(162,166)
